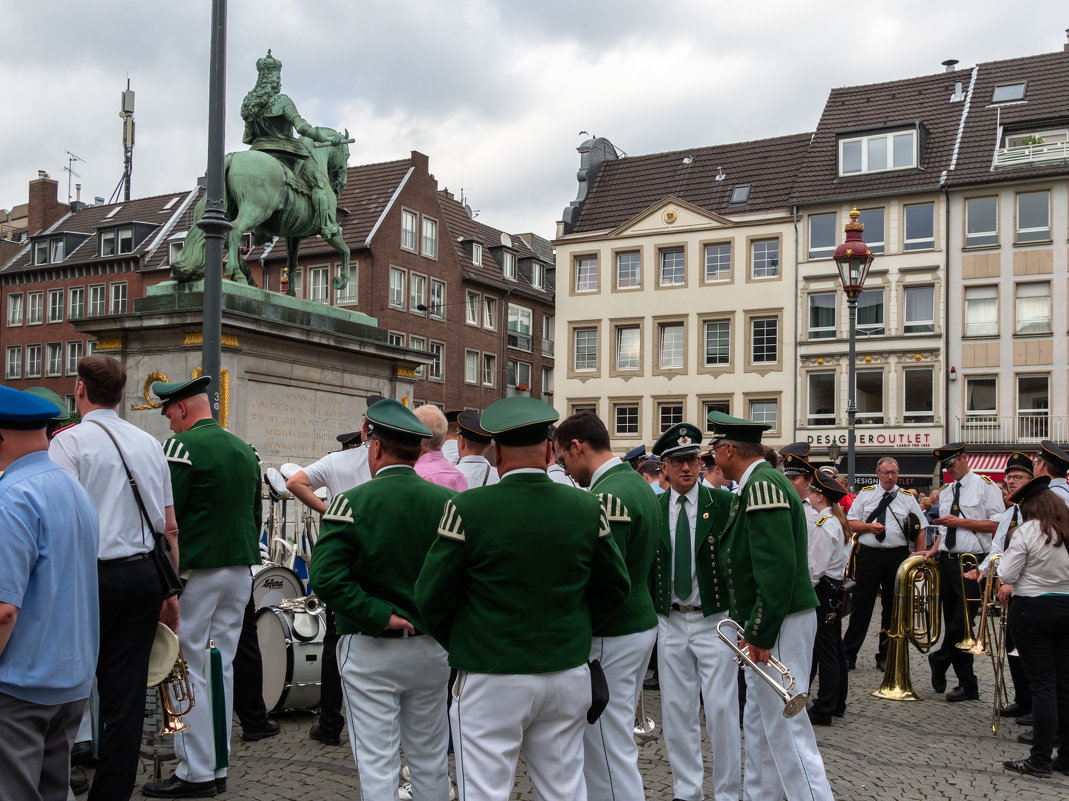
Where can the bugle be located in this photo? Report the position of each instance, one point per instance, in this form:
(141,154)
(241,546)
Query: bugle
(793,702)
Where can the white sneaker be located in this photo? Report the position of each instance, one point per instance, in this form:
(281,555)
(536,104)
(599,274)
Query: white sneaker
(405,775)
(404,792)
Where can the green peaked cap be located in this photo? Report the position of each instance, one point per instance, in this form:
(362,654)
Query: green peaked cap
(180,390)
(736,428)
(682,439)
(391,419)
(519,421)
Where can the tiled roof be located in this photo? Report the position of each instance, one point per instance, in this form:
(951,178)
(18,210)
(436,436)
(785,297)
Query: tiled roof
(872,107)
(157,210)
(626,187)
(1046,99)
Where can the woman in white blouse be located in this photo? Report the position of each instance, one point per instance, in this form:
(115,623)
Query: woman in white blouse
(827,562)
(1035,570)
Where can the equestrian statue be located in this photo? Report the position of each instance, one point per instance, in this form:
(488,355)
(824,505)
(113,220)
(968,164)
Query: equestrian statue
(282,185)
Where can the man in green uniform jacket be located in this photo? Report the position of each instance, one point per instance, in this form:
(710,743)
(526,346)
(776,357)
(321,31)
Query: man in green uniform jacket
(519,576)
(215,478)
(371,547)
(624,643)
(765,551)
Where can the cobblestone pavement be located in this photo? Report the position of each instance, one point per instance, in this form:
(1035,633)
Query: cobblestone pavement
(880,750)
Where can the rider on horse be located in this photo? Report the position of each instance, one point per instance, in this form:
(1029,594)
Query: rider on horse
(270,118)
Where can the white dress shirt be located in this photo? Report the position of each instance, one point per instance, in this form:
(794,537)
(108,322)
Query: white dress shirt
(826,554)
(91,457)
(339,471)
(691,509)
(478,471)
(980,499)
(902,505)
(1033,566)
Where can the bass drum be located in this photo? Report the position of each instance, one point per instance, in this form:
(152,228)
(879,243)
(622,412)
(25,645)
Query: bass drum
(272,584)
(291,646)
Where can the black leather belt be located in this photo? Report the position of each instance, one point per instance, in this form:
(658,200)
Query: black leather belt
(123,560)
(685,608)
(393,634)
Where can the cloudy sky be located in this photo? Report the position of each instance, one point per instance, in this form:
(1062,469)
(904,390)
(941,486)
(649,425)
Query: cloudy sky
(496,92)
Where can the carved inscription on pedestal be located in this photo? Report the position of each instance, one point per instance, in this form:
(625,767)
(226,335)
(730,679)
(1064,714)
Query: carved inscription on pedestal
(290,424)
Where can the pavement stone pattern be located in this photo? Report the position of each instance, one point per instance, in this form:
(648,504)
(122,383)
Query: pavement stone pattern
(880,750)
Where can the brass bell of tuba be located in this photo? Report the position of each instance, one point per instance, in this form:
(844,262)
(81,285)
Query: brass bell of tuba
(914,619)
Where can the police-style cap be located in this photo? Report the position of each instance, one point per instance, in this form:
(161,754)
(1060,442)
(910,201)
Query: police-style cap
(736,428)
(796,448)
(1034,486)
(349,439)
(470,427)
(180,390)
(373,399)
(709,459)
(390,419)
(795,465)
(948,453)
(1020,461)
(52,397)
(519,421)
(452,415)
(682,439)
(1050,452)
(21,411)
(635,453)
(828,487)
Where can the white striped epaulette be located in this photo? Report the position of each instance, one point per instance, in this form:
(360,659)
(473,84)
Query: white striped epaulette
(614,508)
(821,521)
(340,511)
(451,525)
(175,451)
(765,495)
(259,461)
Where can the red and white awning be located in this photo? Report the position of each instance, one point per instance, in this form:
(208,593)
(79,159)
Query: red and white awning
(987,462)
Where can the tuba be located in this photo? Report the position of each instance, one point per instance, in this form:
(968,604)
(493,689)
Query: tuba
(914,619)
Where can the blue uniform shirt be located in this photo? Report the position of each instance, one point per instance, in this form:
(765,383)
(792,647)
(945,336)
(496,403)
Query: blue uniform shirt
(48,569)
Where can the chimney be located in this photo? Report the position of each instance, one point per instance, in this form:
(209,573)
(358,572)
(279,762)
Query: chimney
(950,63)
(1065,47)
(44,205)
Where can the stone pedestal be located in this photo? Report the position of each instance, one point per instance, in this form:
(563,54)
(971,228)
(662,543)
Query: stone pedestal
(295,373)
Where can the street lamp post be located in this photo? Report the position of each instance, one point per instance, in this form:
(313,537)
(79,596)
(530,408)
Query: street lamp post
(853,258)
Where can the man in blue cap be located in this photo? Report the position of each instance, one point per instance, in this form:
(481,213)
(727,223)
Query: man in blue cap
(370,550)
(520,574)
(49,622)
(764,549)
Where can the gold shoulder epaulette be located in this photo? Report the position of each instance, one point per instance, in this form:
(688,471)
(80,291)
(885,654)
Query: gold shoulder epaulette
(868,487)
(944,486)
(986,478)
(822,520)
(905,491)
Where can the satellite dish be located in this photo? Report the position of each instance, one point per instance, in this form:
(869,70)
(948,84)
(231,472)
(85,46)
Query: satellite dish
(506,240)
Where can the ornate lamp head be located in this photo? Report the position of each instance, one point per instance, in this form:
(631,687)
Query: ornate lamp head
(853,258)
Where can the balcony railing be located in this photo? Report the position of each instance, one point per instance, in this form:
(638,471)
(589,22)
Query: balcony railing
(1031,154)
(519,341)
(993,430)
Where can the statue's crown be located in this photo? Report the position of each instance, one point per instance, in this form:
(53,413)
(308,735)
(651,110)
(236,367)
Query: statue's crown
(268,64)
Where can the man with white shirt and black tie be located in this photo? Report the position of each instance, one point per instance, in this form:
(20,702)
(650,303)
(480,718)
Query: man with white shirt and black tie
(878,519)
(967,508)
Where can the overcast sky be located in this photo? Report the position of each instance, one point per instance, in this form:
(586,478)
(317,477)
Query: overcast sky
(495,92)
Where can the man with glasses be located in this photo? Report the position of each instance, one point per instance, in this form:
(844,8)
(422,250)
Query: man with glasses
(967,508)
(877,519)
(690,598)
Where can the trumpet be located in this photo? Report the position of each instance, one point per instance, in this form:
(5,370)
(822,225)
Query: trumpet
(967,562)
(176,698)
(793,702)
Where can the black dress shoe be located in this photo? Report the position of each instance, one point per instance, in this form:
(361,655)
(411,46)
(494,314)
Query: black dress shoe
(326,737)
(1024,720)
(1061,764)
(651,684)
(850,663)
(220,784)
(1014,710)
(82,753)
(79,781)
(881,664)
(179,788)
(1026,766)
(959,693)
(1029,738)
(939,677)
(269,728)
(819,719)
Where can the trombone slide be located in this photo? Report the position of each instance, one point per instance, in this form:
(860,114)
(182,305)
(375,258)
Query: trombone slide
(793,703)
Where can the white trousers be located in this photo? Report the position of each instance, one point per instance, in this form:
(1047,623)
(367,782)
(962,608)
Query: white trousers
(211,608)
(395,695)
(781,753)
(692,659)
(495,717)
(610,753)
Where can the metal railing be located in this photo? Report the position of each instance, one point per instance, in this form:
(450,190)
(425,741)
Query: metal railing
(994,430)
(1031,154)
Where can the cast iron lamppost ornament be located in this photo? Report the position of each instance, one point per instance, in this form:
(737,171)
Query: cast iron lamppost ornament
(853,258)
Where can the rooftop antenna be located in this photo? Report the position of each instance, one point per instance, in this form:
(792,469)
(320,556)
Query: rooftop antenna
(463,198)
(69,169)
(126,113)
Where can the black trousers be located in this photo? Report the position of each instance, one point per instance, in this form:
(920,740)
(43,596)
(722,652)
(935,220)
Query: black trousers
(1040,628)
(874,572)
(130,600)
(954,622)
(330,695)
(829,661)
(1022,690)
(249,675)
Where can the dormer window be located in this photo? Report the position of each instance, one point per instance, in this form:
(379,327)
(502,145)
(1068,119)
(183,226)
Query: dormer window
(40,252)
(508,264)
(1008,93)
(477,254)
(116,241)
(882,152)
(49,251)
(538,272)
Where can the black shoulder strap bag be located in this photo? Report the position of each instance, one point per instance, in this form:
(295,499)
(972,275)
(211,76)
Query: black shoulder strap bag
(161,550)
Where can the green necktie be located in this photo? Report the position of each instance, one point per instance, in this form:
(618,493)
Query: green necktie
(682,552)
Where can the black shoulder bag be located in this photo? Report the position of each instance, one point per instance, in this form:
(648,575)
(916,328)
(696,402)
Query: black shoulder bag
(161,550)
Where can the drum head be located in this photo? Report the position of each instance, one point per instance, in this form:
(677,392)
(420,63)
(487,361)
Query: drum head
(272,630)
(306,625)
(274,583)
(163,655)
